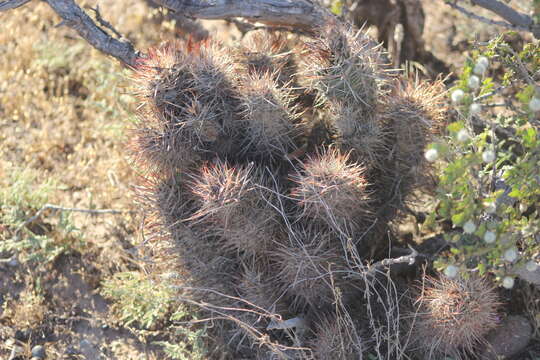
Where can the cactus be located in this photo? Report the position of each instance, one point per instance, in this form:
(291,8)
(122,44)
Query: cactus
(454,316)
(265,53)
(270,169)
(233,205)
(333,190)
(187,104)
(306,268)
(269,118)
(337,338)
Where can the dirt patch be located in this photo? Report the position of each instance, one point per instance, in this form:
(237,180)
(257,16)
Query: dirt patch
(71,320)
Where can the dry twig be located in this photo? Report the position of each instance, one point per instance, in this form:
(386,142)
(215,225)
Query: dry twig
(61,208)
(514,20)
(300,14)
(406,259)
(12,4)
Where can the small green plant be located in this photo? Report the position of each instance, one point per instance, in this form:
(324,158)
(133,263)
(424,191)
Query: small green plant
(37,242)
(138,301)
(191,342)
(43,249)
(489,184)
(337,7)
(22,195)
(191,349)
(144,305)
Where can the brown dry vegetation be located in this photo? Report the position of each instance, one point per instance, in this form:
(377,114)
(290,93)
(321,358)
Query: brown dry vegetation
(64,116)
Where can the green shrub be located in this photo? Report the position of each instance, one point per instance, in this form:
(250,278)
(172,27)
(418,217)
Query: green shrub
(489,183)
(138,302)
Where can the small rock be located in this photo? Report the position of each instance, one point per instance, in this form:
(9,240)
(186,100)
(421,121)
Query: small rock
(532,277)
(85,343)
(22,335)
(38,351)
(509,339)
(15,352)
(70,350)
(13,262)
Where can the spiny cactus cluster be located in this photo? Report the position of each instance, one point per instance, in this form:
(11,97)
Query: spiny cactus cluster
(272,171)
(453,316)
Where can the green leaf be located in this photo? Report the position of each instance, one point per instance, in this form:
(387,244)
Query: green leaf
(516,193)
(482,268)
(525,96)
(455,127)
(337,8)
(529,138)
(459,218)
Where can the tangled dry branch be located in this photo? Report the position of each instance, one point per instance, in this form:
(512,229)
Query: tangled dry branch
(513,19)
(302,14)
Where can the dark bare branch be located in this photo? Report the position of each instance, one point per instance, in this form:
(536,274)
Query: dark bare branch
(299,14)
(74,17)
(11,4)
(484,19)
(506,12)
(104,22)
(514,20)
(294,13)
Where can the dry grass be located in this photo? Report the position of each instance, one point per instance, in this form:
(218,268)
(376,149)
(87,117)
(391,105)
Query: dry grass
(64,113)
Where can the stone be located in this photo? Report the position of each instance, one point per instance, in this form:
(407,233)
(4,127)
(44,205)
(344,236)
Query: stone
(85,343)
(13,262)
(16,350)
(509,339)
(532,277)
(22,335)
(38,351)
